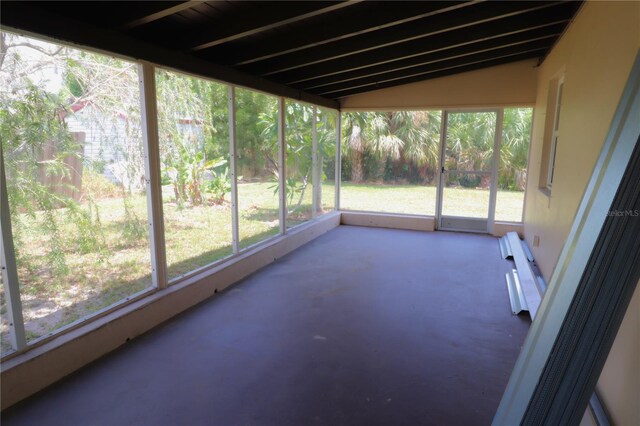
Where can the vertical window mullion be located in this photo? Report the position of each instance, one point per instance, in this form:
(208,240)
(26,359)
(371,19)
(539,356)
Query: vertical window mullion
(10,271)
(338,165)
(235,231)
(495,161)
(151,140)
(281,166)
(315,175)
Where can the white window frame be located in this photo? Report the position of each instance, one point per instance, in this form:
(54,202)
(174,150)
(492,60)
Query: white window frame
(555,134)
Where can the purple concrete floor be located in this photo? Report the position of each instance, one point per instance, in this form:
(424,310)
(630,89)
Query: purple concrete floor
(362,326)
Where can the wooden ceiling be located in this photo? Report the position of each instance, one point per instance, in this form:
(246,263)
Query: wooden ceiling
(319,51)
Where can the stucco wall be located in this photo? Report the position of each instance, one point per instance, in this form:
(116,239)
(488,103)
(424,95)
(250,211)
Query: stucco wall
(596,55)
(504,85)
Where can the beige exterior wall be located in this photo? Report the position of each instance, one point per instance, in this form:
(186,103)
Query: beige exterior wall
(504,85)
(595,55)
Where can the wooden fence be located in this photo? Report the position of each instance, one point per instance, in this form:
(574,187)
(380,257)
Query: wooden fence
(68,184)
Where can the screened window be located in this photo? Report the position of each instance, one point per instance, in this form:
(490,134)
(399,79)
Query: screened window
(512,168)
(193,126)
(257,162)
(390,161)
(326,159)
(73,155)
(299,163)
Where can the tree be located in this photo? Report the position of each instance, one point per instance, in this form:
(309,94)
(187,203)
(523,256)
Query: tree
(381,145)
(194,143)
(44,87)
(256,134)
(514,153)
(355,143)
(403,136)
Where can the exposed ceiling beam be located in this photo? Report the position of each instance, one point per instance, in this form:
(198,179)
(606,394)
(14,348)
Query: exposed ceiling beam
(544,41)
(420,49)
(274,25)
(27,18)
(462,20)
(435,52)
(445,71)
(343,29)
(160,14)
(437,65)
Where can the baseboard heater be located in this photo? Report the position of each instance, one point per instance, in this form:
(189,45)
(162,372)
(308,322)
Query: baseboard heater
(524,289)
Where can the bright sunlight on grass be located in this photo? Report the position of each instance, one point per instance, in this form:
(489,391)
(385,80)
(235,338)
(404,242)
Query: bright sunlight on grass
(421,200)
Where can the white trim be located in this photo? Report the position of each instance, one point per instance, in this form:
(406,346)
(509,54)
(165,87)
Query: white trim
(555,131)
(315,181)
(338,163)
(151,142)
(526,184)
(10,282)
(282,152)
(444,128)
(444,118)
(588,222)
(235,232)
(497,145)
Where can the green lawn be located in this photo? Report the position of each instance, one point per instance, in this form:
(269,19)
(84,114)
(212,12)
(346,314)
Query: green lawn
(90,270)
(421,200)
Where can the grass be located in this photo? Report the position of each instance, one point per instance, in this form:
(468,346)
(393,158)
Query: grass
(421,200)
(113,264)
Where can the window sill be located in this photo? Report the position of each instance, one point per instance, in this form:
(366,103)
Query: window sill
(545,191)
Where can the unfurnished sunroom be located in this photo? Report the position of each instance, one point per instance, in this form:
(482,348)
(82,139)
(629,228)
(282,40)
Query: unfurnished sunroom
(340,172)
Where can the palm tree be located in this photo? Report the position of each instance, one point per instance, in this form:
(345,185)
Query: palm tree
(354,146)
(470,138)
(514,152)
(402,136)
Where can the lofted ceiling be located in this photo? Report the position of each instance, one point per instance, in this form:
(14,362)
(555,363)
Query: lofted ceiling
(318,51)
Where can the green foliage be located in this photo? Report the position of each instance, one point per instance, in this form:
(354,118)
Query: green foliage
(28,122)
(73,82)
(470,181)
(53,191)
(89,236)
(219,185)
(514,152)
(193,127)
(404,146)
(187,176)
(134,229)
(256,134)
